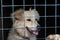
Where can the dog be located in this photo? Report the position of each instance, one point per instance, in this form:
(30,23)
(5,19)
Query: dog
(25,25)
(53,37)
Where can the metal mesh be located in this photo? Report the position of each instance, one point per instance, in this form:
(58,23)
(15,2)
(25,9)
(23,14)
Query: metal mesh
(49,12)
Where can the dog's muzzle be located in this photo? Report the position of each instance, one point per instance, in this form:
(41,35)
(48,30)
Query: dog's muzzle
(35,32)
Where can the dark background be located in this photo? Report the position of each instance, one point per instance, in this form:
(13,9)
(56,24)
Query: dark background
(49,20)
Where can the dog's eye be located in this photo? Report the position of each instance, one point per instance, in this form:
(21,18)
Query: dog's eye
(28,19)
(16,18)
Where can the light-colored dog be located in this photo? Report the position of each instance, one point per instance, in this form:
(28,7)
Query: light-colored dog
(25,25)
(53,37)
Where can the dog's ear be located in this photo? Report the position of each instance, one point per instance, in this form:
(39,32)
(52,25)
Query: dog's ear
(36,14)
(18,15)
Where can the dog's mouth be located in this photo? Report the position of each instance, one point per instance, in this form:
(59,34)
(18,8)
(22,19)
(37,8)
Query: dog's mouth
(35,32)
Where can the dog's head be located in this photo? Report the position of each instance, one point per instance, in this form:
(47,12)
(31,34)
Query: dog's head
(27,19)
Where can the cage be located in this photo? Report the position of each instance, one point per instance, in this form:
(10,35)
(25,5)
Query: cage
(49,11)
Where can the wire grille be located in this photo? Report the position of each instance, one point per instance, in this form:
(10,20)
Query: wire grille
(49,11)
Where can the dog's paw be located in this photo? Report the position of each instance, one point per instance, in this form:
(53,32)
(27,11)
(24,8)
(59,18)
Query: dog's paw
(53,37)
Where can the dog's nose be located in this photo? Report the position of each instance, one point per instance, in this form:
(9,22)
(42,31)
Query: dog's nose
(38,27)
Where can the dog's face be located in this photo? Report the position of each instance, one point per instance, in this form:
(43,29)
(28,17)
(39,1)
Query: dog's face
(31,18)
(28,19)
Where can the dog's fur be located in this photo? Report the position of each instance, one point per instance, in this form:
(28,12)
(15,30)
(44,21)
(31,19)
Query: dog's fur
(53,37)
(22,19)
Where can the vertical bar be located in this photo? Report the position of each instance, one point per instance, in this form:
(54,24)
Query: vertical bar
(2,20)
(45,19)
(12,6)
(24,15)
(55,16)
(13,13)
(34,14)
(34,8)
